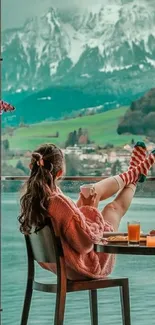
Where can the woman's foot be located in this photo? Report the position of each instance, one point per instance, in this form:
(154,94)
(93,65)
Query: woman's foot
(133,175)
(139,153)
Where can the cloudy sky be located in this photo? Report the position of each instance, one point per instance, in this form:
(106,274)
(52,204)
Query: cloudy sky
(15,12)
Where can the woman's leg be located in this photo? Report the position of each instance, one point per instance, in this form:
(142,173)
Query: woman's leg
(108,187)
(105,189)
(114,211)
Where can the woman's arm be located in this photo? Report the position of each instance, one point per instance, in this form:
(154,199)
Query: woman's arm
(77,225)
(82,232)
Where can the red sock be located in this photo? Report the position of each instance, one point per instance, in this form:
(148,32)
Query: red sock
(132,175)
(138,154)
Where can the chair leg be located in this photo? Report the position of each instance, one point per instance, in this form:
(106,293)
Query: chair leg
(27,303)
(93,307)
(125,302)
(60,308)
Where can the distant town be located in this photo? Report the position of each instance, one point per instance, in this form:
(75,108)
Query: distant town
(83,160)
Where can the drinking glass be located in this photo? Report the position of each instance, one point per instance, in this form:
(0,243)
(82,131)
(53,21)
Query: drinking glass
(133,233)
(150,241)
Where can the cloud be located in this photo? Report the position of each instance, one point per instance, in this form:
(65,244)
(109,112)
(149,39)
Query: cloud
(15,12)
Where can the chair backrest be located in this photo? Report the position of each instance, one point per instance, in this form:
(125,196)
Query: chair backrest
(44,245)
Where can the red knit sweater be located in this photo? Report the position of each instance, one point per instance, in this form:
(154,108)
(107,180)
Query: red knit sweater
(79,229)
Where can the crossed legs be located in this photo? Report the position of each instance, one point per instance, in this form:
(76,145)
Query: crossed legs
(125,184)
(114,211)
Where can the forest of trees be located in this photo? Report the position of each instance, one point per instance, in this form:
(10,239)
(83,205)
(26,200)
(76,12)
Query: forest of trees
(78,137)
(140,118)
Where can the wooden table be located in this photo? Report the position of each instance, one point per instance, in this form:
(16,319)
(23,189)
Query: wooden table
(124,248)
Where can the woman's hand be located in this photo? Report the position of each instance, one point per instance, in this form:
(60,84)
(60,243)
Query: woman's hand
(91,200)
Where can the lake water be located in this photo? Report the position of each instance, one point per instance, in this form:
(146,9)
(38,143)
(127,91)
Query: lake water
(139,269)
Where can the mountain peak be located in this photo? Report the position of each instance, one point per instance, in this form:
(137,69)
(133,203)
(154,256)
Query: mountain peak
(51,14)
(52,18)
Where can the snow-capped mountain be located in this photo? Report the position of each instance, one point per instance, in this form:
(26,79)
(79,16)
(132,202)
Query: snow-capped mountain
(111,46)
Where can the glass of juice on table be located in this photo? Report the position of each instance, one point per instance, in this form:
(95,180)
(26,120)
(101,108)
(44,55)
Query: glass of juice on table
(133,232)
(150,241)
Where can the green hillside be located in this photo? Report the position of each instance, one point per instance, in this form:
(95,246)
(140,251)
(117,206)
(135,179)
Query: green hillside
(101,129)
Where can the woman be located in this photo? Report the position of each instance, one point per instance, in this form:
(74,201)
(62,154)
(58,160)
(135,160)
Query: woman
(79,225)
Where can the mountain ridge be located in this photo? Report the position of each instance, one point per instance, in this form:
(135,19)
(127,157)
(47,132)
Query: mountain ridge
(58,47)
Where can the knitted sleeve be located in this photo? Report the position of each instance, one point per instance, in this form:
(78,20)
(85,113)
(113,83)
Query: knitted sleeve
(81,227)
(82,233)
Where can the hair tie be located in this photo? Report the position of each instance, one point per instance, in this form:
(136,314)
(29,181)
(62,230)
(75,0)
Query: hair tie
(37,158)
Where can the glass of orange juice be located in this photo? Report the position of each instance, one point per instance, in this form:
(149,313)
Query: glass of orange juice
(133,233)
(150,241)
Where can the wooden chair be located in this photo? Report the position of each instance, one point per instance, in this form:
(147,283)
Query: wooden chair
(45,246)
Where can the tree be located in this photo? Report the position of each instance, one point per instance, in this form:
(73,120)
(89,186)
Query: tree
(149,122)
(69,140)
(72,165)
(116,167)
(79,133)
(74,138)
(22,167)
(6,144)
